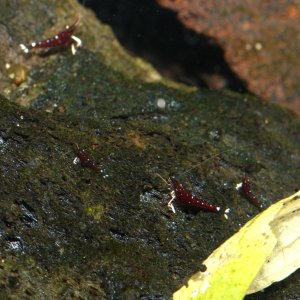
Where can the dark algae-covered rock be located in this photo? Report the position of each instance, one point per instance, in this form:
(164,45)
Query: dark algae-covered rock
(70,231)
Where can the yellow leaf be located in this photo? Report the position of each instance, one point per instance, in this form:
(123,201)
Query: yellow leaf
(285,258)
(235,264)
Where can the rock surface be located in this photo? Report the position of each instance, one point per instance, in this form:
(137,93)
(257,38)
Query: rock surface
(70,232)
(260,40)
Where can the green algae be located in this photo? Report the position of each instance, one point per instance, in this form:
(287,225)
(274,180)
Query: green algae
(72,229)
(95,211)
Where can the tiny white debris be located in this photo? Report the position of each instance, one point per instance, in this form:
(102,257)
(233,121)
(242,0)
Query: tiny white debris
(258,46)
(225,184)
(33,44)
(22,117)
(161,103)
(7,66)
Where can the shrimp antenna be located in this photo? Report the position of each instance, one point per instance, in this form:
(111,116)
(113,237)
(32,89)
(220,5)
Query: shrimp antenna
(205,160)
(78,19)
(164,180)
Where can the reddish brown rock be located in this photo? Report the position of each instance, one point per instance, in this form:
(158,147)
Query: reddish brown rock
(260,39)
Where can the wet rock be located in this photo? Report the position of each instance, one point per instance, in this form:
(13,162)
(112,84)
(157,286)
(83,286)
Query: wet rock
(68,231)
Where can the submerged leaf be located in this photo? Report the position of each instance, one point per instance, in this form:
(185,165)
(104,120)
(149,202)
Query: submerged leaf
(284,259)
(241,260)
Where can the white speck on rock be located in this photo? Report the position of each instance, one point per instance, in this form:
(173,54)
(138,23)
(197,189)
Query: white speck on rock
(161,103)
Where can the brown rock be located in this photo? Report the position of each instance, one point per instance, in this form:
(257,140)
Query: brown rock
(259,39)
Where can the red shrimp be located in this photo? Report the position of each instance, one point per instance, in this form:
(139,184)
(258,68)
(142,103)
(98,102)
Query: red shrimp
(247,192)
(85,160)
(186,197)
(59,40)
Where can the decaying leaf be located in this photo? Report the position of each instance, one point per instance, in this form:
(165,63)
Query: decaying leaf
(285,258)
(253,258)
